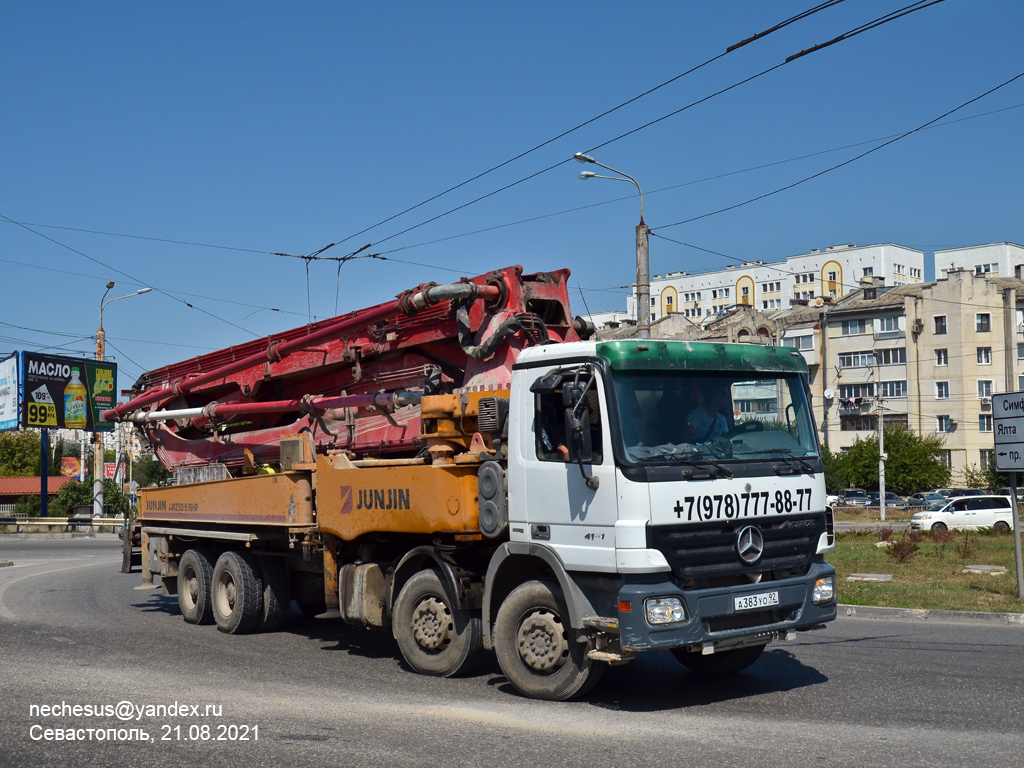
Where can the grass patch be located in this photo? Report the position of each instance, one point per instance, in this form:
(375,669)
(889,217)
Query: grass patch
(931,575)
(872,515)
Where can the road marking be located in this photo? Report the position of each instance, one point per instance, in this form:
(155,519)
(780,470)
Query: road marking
(6,613)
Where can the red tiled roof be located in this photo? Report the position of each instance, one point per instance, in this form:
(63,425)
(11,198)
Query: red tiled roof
(21,486)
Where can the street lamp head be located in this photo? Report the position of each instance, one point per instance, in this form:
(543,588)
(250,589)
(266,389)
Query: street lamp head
(581,158)
(586,175)
(144,290)
(110,285)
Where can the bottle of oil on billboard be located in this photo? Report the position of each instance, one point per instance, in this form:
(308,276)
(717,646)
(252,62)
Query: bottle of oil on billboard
(75,402)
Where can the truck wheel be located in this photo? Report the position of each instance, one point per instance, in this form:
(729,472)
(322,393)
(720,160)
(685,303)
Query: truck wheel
(237,594)
(721,663)
(195,575)
(537,649)
(276,600)
(434,638)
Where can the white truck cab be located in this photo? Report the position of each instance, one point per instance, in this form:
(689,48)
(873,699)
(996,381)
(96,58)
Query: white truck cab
(674,493)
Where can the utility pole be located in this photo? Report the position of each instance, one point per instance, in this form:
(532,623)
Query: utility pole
(881,437)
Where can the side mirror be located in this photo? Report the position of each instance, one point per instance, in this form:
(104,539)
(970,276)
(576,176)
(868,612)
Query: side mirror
(577,435)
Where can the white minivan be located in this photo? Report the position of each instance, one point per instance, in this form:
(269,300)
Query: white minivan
(966,513)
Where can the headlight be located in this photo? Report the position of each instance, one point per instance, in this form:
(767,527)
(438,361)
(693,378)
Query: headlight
(664,610)
(824,590)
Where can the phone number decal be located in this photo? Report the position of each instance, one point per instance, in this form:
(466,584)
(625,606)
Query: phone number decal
(734,505)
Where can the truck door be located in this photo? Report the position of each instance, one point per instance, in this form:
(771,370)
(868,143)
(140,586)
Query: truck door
(562,509)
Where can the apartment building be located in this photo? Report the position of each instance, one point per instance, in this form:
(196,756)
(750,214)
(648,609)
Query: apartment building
(993,260)
(830,273)
(930,356)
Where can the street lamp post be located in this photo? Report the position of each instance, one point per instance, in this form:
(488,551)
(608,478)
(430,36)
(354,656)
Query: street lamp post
(97,481)
(643,263)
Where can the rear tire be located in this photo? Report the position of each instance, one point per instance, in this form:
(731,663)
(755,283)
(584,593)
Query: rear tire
(275,592)
(195,575)
(237,593)
(1001,527)
(939,527)
(435,638)
(718,664)
(538,650)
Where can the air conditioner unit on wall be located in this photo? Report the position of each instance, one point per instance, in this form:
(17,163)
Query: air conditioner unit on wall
(986,401)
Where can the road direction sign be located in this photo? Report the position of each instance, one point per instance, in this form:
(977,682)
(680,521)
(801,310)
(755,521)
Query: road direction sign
(1008,429)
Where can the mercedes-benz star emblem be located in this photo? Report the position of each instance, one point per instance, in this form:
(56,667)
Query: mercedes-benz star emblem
(749,544)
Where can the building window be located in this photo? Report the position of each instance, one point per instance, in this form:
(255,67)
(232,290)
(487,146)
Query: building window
(897,356)
(984,355)
(799,342)
(869,271)
(946,458)
(850,391)
(858,423)
(942,390)
(941,357)
(940,325)
(985,456)
(985,388)
(985,422)
(856,359)
(987,269)
(893,388)
(652,301)
(854,327)
(888,324)
(942,425)
(668,301)
(1020,351)
(983,322)
(831,277)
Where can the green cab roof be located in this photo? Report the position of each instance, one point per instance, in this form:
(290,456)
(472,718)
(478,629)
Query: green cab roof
(654,355)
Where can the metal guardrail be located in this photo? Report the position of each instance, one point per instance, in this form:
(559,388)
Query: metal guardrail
(69,524)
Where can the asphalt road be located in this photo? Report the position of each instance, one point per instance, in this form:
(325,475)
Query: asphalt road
(864,692)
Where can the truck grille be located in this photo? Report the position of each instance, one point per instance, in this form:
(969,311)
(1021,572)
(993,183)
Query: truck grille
(707,552)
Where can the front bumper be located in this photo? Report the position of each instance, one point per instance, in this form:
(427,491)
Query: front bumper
(711,617)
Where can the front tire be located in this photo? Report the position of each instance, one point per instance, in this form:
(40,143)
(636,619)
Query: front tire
(718,664)
(538,650)
(195,575)
(435,639)
(939,527)
(237,593)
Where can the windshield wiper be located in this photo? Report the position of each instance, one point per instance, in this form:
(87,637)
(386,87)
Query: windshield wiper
(789,458)
(722,471)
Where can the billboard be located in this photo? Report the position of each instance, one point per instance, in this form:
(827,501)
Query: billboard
(9,394)
(66,392)
(71,466)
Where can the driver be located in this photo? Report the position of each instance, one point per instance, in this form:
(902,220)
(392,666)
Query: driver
(707,420)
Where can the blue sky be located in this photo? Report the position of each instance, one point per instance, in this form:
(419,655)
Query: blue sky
(283,127)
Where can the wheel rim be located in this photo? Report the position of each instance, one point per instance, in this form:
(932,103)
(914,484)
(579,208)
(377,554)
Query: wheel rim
(226,594)
(191,588)
(432,625)
(542,642)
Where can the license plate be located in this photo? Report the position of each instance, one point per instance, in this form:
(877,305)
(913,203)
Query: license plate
(760,600)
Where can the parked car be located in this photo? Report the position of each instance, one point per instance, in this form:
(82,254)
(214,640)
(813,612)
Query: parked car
(926,500)
(951,493)
(854,497)
(965,513)
(832,499)
(892,500)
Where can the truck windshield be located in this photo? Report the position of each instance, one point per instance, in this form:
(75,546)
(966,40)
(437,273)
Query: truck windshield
(670,416)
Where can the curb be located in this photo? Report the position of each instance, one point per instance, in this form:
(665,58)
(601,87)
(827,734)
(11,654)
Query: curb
(922,614)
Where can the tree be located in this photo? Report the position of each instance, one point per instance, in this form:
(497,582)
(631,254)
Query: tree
(914,462)
(835,471)
(19,453)
(148,471)
(76,494)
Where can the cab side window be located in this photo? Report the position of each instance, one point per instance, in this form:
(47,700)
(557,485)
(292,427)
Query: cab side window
(549,426)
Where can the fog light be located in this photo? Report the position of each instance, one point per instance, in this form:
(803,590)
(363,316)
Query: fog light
(824,590)
(664,610)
